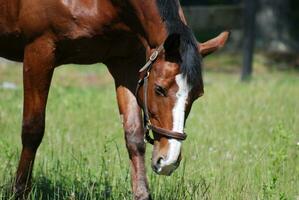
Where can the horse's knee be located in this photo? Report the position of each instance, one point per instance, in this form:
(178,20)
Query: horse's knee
(33,131)
(134,138)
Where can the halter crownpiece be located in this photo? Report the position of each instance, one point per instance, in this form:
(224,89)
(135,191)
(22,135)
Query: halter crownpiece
(143,81)
(152,58)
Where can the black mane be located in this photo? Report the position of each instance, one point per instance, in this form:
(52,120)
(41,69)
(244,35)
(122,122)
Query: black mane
(191,60)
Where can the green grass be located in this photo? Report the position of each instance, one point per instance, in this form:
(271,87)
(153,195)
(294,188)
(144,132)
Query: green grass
(242,141)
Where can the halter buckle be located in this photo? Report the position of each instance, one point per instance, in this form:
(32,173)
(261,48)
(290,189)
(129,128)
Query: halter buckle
(154,56)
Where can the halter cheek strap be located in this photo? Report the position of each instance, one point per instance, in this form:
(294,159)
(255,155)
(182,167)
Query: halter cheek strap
(143,81)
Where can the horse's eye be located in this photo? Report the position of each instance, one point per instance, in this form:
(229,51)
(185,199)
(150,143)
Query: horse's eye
(159,90)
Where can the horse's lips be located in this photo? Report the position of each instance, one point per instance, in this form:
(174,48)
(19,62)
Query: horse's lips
(166,170)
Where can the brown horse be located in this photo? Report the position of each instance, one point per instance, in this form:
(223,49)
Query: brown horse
(123,34)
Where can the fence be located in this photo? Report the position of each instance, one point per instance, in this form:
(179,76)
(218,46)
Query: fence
(205,20)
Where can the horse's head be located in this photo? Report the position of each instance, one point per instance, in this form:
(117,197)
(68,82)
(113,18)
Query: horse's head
(170,82)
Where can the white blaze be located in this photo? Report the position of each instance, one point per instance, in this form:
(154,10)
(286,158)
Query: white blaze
(178,113)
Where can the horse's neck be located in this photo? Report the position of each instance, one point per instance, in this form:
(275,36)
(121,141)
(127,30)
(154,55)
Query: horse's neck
(154,29)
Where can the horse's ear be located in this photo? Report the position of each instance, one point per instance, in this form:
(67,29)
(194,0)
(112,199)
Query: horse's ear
(213,45)
(172,44)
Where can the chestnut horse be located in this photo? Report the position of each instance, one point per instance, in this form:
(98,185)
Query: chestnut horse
(125,35)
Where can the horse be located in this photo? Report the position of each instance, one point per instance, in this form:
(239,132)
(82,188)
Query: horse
(149,50)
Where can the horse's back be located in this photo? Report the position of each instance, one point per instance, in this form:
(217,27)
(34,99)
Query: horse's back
(75,25)
(23,20)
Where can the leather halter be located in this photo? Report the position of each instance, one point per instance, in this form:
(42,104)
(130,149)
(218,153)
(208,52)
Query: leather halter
(143,81)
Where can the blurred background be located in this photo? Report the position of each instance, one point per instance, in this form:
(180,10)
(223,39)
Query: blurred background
(267,28)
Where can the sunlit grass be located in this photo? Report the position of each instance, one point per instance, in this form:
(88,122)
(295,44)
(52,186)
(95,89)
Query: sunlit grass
(242,140)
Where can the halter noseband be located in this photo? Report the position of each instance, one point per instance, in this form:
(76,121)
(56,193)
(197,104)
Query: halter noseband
(146,69)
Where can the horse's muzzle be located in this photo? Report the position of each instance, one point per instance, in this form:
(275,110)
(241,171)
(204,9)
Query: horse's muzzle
(165,167)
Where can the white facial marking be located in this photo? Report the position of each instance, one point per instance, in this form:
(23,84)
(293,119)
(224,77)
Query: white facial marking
(178,113)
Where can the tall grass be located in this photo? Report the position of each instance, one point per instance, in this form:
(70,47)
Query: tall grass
(242,141)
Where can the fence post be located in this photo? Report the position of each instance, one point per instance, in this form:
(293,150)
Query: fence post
(250,7)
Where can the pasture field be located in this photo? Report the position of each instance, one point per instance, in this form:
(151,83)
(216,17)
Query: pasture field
(243,139)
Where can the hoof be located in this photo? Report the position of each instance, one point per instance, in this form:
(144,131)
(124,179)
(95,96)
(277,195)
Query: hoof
(21,191)
(142,194)
(142,197)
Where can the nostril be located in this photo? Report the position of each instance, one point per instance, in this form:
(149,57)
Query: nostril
(159,161)
(157,166)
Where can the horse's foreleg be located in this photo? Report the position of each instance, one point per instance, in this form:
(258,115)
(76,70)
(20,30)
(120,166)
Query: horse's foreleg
(132,123)
(37,73)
